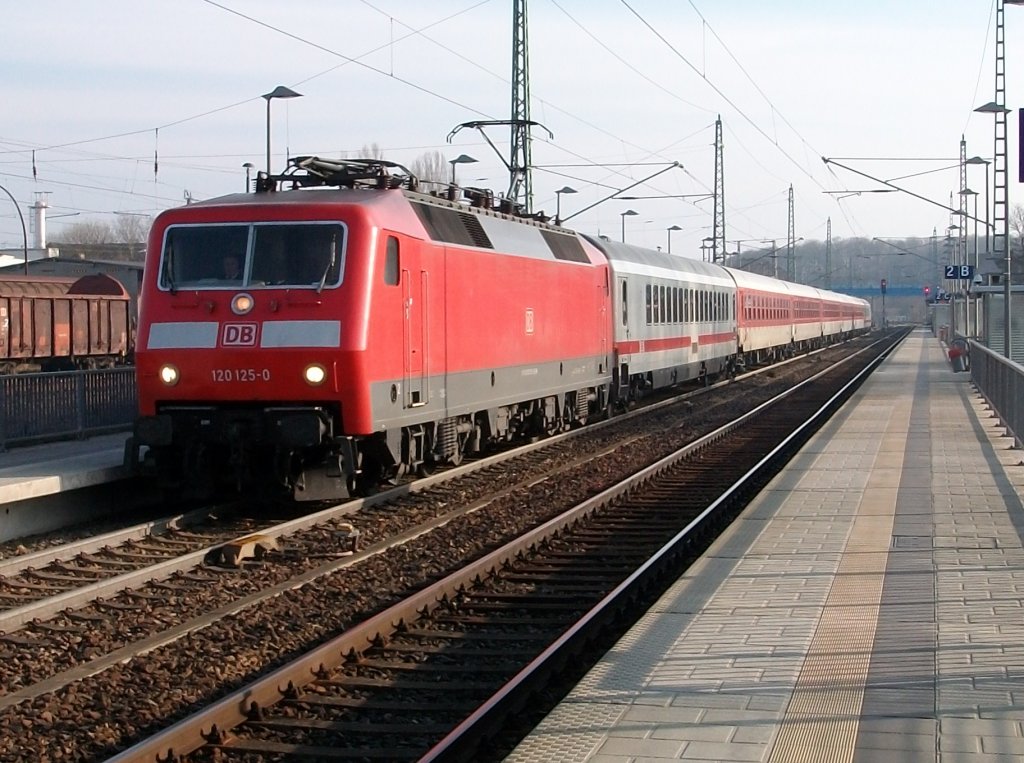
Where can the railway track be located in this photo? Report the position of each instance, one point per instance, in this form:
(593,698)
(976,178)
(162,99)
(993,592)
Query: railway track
(203,600)
(438,674)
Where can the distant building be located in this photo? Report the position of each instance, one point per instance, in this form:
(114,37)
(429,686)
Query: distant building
(16,257)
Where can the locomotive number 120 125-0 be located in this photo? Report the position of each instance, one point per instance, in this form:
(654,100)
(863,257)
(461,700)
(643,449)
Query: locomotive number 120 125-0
(240,374)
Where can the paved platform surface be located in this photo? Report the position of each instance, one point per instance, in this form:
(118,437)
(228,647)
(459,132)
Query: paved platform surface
(866,607)
(38,470)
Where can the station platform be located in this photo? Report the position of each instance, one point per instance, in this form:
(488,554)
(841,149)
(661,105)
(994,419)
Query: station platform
(867,606)
(35,472)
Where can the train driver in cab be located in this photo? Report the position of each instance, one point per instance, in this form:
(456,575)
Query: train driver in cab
(232,268)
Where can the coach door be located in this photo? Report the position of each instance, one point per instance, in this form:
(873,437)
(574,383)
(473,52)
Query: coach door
(415,285)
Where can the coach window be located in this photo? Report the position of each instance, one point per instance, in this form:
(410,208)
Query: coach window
(391,269)
(647,292)
(625,304)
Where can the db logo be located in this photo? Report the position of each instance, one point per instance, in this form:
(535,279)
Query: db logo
(238,335)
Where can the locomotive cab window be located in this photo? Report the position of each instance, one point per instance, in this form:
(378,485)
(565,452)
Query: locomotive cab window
(267,255)
(391,268)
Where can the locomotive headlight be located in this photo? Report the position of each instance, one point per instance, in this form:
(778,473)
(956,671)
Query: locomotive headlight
(315,374)
(242,303)
(169,375)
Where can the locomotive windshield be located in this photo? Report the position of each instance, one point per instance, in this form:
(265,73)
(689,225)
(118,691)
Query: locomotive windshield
(253,256)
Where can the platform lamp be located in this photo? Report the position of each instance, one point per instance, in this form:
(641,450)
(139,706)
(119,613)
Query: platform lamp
(1000,239)
(460,159)
(987,224)
(278,92)
(249,167)
(24,230)
(558,202)
(968,260)
(670,229)
(623,215)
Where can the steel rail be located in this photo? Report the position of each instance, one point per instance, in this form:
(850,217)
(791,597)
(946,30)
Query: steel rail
(213,723)
(14,618)
(464,738)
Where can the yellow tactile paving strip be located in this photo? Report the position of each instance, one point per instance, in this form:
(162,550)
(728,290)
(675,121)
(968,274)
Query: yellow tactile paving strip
(821,720)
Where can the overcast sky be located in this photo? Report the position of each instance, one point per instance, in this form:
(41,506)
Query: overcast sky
(98,89)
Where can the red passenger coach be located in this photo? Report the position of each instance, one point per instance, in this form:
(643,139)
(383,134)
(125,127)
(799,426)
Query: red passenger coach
(322,338)
(777,318)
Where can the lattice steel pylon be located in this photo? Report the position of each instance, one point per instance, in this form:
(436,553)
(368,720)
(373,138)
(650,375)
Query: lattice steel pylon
(962,236)
(962,214)
(791,242)
(828,253)
(520,186)
(718,229)
(1000,189)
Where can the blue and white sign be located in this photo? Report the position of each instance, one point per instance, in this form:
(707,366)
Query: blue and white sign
(959,272)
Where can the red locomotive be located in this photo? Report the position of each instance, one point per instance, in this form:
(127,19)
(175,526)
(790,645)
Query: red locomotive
(351,329)
(52,323)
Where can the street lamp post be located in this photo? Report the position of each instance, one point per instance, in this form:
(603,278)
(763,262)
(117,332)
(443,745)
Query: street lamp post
(249,166)
(1000,190)
(986,162)
(460,159)
(988,246)
(1000,238)
(278,92)
(558,202)
(670,229)
(968,260)
(24,230)
(623,215)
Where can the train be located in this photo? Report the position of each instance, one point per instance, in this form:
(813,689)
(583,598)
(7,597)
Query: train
(338,328)
(49,323)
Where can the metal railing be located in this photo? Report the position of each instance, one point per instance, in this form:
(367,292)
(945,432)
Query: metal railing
(1001,383)
(44,407)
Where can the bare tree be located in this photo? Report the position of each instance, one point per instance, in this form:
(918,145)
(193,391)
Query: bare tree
(90,232)
(431,168)
(1016,240)
(372,151)
(131,229)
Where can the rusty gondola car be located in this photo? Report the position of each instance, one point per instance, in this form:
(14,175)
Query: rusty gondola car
(50,323)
